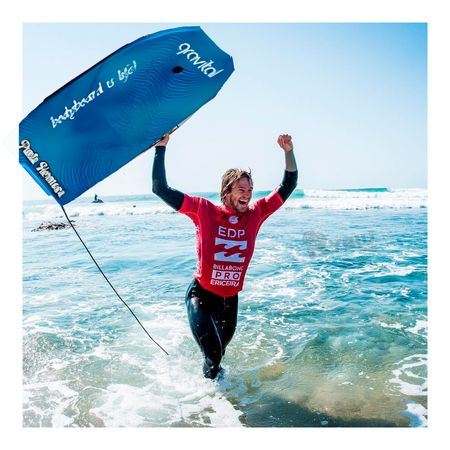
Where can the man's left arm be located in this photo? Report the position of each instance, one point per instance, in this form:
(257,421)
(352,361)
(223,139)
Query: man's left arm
(289,181)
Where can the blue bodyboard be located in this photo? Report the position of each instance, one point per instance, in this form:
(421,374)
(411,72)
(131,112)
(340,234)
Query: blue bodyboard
(120,107)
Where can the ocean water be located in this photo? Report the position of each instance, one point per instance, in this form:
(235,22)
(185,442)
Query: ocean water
(332,326)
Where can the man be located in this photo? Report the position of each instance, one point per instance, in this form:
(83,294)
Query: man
(226,237)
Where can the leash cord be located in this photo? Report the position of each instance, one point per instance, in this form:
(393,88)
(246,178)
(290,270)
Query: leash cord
(112,287)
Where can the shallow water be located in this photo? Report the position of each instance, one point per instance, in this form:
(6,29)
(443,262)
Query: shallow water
(332,326)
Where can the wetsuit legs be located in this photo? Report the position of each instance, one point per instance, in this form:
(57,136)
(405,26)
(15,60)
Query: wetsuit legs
(212,320)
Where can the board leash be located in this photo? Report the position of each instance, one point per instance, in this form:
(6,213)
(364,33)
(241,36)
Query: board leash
(112,287)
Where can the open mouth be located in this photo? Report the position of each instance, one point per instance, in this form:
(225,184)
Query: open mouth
(243,202)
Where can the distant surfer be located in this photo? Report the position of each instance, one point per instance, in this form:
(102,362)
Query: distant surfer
(226,237)
(97,200)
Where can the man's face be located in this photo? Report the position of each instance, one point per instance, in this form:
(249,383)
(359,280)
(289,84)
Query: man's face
(240,195)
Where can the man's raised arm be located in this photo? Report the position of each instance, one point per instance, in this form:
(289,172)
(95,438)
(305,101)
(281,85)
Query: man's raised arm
(289,181)
(160,187)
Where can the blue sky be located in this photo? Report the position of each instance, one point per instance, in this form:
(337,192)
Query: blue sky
(352,95)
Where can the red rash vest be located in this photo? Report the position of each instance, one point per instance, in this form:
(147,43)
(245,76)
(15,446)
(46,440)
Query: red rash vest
(226,240)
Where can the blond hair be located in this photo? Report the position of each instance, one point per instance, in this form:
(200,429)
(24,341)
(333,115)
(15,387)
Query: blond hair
(230,177)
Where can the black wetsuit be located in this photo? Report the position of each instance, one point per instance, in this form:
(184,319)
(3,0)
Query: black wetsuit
(212,318)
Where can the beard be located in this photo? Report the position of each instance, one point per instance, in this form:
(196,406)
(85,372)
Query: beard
(239,207)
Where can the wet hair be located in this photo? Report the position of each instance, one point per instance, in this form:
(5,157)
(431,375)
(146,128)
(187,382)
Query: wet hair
(230,177)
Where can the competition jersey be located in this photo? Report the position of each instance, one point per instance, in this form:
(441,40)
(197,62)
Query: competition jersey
(226,240)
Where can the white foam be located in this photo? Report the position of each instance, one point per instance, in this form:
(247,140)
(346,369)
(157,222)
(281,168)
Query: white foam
(395,326)
(360,200)
(416,384)
(125,208)
(417,414)
(190,400)
(313,199)
(55,403)
(419,326)
(173,392)
(220,412)
(396,271)
(126,406)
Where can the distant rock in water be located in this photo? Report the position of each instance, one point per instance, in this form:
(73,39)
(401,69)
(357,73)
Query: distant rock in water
(51,226)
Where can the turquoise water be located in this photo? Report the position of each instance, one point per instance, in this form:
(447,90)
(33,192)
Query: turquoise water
(332,327)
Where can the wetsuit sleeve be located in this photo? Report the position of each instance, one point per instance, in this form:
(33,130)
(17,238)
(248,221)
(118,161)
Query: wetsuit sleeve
(288,184)
(160,187)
